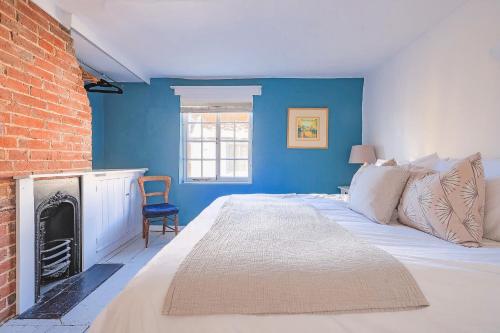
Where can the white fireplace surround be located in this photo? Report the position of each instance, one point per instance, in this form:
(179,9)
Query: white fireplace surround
(110,216)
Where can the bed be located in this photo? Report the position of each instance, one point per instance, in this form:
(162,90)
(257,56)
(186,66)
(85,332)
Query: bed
(462,285)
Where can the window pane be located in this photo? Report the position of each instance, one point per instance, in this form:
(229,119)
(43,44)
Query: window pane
(208,131)
(227,131)
(209,150)
(241,168)
(194,117)
(227,149)
(241,149)
(227,168)
(234,116)
(209,117)
(194,131)
(194,169)
(193,150)
(208,169)
(241,131)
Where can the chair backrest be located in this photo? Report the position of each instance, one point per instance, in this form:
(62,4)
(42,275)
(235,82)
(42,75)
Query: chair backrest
(166,179)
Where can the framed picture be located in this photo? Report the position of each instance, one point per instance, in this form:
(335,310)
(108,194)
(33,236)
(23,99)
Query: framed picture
(307,128)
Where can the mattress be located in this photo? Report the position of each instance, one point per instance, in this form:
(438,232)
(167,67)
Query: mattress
(461,284)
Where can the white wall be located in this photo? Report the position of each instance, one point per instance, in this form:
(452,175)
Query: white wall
(442,92)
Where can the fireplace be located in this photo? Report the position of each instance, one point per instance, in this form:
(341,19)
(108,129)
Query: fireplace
(58,252)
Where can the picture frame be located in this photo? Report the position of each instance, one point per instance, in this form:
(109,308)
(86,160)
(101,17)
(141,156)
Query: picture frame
(307,128)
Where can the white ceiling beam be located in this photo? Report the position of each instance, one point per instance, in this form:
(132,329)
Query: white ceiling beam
(71,21)
(106,47)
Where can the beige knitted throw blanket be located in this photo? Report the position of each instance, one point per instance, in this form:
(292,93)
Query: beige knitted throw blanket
(280,257)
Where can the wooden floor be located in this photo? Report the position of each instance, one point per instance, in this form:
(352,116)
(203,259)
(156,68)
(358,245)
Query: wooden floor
(132,254)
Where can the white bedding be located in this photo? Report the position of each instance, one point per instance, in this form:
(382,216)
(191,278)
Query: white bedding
(461,284)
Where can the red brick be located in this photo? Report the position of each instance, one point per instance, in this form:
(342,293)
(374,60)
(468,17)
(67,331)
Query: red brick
(29,165)
(5,94)
(60,127)
(44,95)
(69,156)
(7,289)
(18,108)
(18,154)
(8,142)
(6,240)
(4,32)
(60,145)
(33,144)
(44,134)
(32,14)
(71,121)
(46,46)
(15,73)
(61,109)
(37,155)
(6,166)
(73,138)
(82,165)
(44,34)
(34,70)
(29,100)
(61,32)
(48,116)
(25,21)
(29,34)
(7,313)
(21,120)
(59,165)
(17,131)
(7,9)
(15,85)
(9,59)
(24,44)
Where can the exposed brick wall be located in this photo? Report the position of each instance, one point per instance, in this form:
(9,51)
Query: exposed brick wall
(45,117)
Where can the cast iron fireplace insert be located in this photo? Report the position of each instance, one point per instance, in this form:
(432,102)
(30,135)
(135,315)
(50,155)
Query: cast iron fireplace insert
(57,232)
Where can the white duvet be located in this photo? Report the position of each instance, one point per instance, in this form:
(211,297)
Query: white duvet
(461,284)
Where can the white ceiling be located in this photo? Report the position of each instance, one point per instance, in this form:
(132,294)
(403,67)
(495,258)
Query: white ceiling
(246,38)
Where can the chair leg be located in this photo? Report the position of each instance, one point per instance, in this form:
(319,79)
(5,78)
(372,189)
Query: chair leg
(144,221)
(176,224)
(146,229)
(165,221)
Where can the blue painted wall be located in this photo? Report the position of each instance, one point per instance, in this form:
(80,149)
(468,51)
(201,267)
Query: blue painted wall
(142,130)
(97,103)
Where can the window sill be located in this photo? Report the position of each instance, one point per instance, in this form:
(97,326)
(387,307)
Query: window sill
(216,183)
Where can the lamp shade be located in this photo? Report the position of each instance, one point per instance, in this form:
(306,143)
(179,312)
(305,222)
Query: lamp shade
(362,154)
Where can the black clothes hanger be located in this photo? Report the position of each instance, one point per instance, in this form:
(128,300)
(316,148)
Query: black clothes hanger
(110,88)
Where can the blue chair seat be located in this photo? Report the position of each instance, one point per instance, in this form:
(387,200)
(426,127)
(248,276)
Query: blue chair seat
(159,210)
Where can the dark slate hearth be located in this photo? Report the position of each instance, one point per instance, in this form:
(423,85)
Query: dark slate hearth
(65,296)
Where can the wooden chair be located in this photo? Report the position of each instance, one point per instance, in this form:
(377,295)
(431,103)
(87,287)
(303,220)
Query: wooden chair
(163,211)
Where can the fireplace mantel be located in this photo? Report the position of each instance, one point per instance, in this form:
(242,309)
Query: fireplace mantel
(79,173)
(110,216)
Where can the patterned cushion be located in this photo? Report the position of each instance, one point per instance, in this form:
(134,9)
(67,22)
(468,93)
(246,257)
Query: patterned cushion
(448,205)
(159,210)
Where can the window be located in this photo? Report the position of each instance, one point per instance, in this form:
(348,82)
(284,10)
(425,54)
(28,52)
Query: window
(216,133)
(217,146)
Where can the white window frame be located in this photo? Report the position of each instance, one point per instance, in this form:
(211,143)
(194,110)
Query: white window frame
(218,178)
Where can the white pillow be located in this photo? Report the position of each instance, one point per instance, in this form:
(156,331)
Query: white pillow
(381,162)
(375,191)
(492,204)
(444,164)
(428,161)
